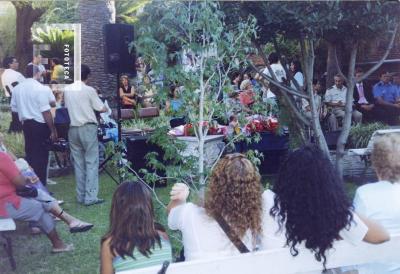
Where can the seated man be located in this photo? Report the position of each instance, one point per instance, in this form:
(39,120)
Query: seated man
(387,100)
(363,98)
(335,98)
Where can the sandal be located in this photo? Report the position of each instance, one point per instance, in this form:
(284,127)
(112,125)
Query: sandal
(66,248)
(80,227)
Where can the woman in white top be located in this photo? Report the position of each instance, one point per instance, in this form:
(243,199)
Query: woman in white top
(235,194)
(295,69)
(380,201)
(308,208)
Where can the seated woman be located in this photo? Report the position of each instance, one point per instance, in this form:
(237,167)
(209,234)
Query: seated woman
(174,104)
(31,209)
(134,240)
(127,93)
(234,195)
(380,201)
(246,96)
(309,208)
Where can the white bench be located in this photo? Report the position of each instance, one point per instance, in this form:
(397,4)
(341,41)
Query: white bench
(279,261)
(365,153)
(7,225)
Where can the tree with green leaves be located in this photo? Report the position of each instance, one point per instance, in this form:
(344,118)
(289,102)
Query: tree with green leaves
(309,22)
(28,12)
(194,32)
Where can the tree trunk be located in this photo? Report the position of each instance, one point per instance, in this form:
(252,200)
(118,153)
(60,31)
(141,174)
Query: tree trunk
(344,134)
(308,61)
(26,16)
(331,67)
(93,15)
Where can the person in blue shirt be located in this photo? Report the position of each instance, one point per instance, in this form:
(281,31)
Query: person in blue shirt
(387,99)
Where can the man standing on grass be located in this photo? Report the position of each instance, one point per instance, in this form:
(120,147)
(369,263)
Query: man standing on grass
(10,79)
(31,100)
(81,101)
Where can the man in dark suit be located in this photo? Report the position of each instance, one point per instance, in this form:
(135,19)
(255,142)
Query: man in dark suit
(363,98)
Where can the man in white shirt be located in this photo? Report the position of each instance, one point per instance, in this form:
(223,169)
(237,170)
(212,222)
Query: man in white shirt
(37,60)
(31,100)
(10,79)
(81,101)
(335,98)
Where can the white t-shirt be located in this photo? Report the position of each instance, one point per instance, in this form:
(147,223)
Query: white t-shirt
(299,78)
(81,100)
(381,202)
(31,98)
(203,238)
(9,77)
(273,238)
(278,70)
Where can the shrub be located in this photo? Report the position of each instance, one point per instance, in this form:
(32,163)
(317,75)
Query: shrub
(360,134)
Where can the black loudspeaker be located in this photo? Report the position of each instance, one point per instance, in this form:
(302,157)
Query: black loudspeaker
(137,147)
(117,58)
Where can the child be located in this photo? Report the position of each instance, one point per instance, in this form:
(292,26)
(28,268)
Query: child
(134,240)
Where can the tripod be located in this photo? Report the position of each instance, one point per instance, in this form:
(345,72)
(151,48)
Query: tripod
(102,166)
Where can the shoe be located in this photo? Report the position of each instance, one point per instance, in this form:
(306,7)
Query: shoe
(67,248)
(80,227)
(95,202)
(51,182)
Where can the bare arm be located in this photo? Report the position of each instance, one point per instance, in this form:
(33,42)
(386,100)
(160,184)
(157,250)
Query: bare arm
(48,118)
(179,194)
(106,258)
(376,233)
(382,102)
(172,204)
(19,181)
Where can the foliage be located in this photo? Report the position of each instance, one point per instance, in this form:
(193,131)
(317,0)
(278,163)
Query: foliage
(14,142)
(56,38)
(60,12)
(360,134)
(127,11)
(7,30)
(191,48)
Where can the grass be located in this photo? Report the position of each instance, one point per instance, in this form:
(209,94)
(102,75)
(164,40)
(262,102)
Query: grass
(33,253)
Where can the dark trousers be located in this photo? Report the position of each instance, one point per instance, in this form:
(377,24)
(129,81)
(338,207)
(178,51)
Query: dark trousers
(387,114)
(36,152)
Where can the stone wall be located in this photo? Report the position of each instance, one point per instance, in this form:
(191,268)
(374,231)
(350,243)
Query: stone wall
(93,14)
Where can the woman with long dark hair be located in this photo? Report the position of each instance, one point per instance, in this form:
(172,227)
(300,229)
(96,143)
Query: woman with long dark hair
(295,69)
(309,208)
(133,240)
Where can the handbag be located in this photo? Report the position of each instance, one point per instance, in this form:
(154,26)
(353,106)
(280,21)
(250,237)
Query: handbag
(231,235)
(27,192)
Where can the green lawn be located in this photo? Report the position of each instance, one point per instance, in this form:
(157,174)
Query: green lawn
(33,253)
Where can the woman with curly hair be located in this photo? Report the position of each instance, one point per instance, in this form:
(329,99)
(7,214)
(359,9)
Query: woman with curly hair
(234,194)
(380,201)
(134,240)
(309,208)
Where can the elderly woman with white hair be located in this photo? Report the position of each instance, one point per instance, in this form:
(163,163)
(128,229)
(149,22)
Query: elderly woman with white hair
(380,201)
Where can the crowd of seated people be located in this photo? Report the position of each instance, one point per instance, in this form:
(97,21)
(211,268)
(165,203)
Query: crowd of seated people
(371,103)
(306,208)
